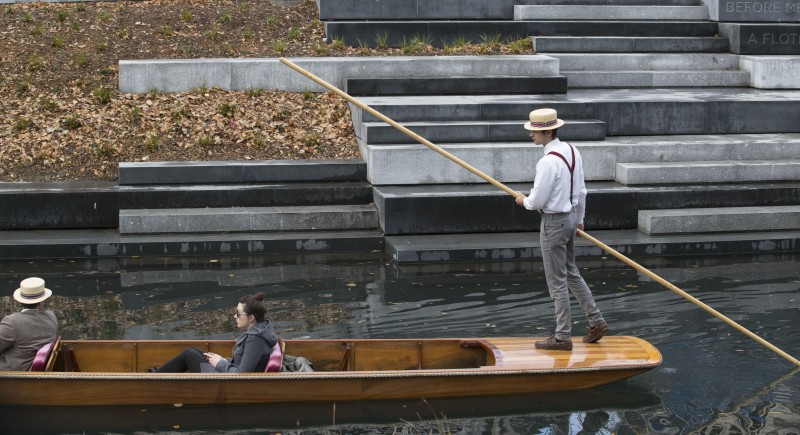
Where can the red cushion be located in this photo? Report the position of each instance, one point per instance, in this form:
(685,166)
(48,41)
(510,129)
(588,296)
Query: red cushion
(41,357)
(275,357)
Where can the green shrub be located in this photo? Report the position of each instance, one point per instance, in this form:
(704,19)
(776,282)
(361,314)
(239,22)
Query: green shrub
(227,110)
(80,59)
(71,123)
(204,140)
(102,95)
(151,143)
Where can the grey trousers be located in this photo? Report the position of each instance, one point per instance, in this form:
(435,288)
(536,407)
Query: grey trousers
(557,237)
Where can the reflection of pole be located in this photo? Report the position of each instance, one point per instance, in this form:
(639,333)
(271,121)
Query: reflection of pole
(735,408)
(514,193)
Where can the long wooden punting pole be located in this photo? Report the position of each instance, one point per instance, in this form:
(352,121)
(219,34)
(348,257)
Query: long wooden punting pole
(514,193)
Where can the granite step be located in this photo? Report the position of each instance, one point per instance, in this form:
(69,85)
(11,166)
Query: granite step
(699,172)
(637,44)
(71,204)
(248,219)
(722,219)
(181,75)
(415,9)
(243,195)
(109,243)
(626,112)
(434,251)
(241,171)
(511,162)
(378,133)
(765,38)
(612,2)
(356,33)
(651,70)
(482,208)
(656,79)
(456,85)
(656,62)
(610,12)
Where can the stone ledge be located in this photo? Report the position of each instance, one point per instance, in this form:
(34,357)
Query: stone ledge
(770,11)
(482,208)
(515,162)
(109,243)
(434,249)
(491,85)
(478,131)
(180,75)
(628,44)
(237,171)
(708,172)
(58,205)
(724,219)
(609,12)
(656,79)
(415,9)
(248,219)
(763,38)
(650,62)
(772,72)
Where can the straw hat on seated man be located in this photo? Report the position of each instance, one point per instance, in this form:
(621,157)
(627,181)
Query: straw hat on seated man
(24,332)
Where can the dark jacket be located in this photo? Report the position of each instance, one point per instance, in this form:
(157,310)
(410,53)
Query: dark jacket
(21,336)
(250,353)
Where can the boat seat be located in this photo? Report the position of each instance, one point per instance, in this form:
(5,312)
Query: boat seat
(275,360)
(41,360)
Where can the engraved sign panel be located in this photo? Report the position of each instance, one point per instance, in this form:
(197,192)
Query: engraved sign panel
(768,11)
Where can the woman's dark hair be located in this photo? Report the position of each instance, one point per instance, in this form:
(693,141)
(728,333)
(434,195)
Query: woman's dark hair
(254,305)
(31,306)
(555,133)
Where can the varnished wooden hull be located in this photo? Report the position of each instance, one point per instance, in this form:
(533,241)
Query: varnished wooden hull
(112,372)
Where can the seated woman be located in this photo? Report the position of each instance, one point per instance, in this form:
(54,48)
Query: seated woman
(250,353)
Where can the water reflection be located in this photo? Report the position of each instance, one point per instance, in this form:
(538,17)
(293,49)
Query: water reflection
(713,379)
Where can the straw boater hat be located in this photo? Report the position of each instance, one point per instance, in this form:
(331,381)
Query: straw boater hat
(543,119)
(32,291)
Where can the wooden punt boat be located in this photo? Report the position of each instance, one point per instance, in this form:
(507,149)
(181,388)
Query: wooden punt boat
(88,372)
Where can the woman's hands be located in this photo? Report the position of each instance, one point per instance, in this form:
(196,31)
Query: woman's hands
(212,358)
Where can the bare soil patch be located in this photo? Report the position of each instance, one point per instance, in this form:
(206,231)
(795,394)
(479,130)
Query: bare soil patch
(64,119)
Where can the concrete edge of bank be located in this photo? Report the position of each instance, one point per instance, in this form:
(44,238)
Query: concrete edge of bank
(108,243)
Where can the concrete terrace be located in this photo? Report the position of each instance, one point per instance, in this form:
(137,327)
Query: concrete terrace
(690,138)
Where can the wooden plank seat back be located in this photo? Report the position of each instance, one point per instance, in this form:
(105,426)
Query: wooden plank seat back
(325,355)
(369,355)
(42,358)
(112,356)
(54,353)
(275,360)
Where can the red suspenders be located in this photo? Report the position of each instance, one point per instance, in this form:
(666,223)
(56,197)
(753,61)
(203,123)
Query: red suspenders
(571,168)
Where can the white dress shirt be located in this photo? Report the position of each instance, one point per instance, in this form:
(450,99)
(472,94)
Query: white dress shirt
(551,187)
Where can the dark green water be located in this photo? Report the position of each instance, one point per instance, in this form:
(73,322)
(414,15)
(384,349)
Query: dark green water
(713,379)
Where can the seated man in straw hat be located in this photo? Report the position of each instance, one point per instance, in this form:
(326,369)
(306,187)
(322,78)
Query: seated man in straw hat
(559,194)
(23,333)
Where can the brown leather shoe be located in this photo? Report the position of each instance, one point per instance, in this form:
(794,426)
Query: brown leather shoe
(553,343)
(596,332)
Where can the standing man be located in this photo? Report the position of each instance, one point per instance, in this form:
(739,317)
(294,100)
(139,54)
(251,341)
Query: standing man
(23,333)
(559,194)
